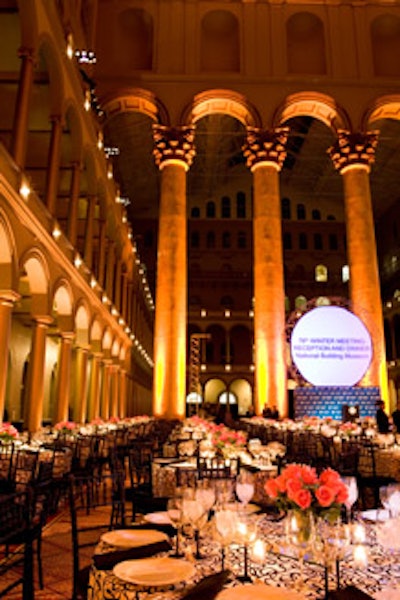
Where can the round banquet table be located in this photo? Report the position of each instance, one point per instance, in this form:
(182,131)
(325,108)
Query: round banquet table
(277,569)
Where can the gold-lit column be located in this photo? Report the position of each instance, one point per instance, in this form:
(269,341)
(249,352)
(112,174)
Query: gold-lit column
(7,300)
(118,283)
(105,389)
(64,376)
(114,390)
(352,155)
(124,297)
(81,384)
(173,154)
(74,202)
(21,115)
(94,386)
(53,163)
(36,369)
(102,253)
(90,214)
(122,394)
(265,152)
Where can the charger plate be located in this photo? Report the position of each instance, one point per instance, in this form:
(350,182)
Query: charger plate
(154,571)
(158,518)
(259,591)
(131,538)
(375,515)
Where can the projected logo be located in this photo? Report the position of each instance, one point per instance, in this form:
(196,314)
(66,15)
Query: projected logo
(330,346)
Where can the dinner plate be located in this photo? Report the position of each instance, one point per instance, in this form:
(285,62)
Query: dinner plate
(130,538)
(375,515)
(259,591)
(158,518)
(154,571)
(249,508)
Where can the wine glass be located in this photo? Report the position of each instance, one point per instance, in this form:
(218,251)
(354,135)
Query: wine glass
(225,524)
(205,494)
(352,488)
(196,515)
(174,510)
(245,487)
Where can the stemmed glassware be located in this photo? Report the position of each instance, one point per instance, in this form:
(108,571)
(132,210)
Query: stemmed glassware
(244,487)
(196,514)
(174,510)
(352,488)
(225,524)
(246,534)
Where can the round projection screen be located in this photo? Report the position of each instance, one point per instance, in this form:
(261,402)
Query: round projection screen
(330,346)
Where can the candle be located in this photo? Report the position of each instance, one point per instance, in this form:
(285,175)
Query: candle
(359,533)
(360,556)
(258,551)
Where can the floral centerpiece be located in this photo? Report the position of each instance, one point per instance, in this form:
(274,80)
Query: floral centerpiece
(349,428)
(225,440)
(8,432)
(298,488)
(65,426)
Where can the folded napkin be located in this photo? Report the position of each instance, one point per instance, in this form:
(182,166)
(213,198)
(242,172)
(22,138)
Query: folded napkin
(208,587)
(108,560)
(350,592)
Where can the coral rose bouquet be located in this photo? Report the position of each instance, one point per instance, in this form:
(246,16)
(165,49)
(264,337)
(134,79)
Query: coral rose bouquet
(8,432)
(299,488)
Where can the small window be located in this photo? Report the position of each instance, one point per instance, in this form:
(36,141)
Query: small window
(300,302)
(210,210)
(301,212)
(316,215)
(303,241)
(286,209)
(194,239)
(225,207)
(287,241)
(241,205)
(226,239)
(321,273)
(210,239)
(345,273)
(195,212)
(333,241)
(318,241)
(242,240)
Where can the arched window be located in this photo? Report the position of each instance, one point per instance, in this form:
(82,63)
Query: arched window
(220,49)
(210,239)
(287,241)
(301,212)
(385,41)
(210,209)
(226,239)
(318,241)
(241,205)
(333,241)
(225,207)
(194,239)
(316,214)
(242,240)
(300,302)
(321,273)
(195,212)
(345,273)
(135,40)
(303,241)
(305,44)
(286,209)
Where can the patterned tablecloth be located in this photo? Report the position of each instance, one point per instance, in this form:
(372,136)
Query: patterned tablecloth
(277,568)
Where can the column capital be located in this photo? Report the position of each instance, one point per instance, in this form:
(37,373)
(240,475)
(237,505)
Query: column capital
(26,52)
(44,320)
(173,144)
(9,297)
(352,149)
(265,146)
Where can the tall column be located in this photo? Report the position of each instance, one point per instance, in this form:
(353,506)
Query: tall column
(118,283)
(90,214)
(352,155)
(173,154)
(64,376)
(35,388)
(53,163)
(105,389)
(114,390)
(124,293)
(7,300)
(80,396)
(21,116)
(122,401)
(265,152)
(94,386)
(74,202)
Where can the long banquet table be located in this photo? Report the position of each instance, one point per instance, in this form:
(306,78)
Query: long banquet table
(277,568)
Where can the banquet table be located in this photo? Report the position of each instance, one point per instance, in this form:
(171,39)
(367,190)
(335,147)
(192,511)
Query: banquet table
(279,567)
